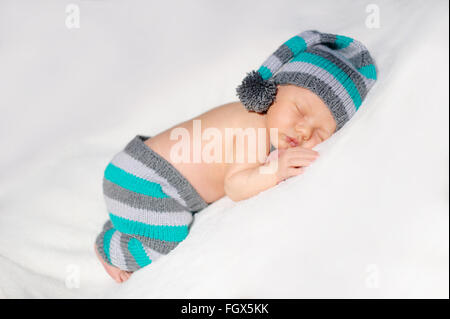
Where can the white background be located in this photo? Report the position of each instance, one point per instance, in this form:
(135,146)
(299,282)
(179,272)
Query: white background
(367,219)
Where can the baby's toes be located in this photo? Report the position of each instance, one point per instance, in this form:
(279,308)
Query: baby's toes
(117,277)
(124,275)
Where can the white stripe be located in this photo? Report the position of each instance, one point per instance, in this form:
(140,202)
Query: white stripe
(135,167)
(147,216)
(310,37)
(273,63)
(115,251)
(152,254)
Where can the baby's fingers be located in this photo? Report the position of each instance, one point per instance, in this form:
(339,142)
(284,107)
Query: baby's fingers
(300,161)
(304,151)
(294,171)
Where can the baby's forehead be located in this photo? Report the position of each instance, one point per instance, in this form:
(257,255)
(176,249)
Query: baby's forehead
(293,89)
(299,93)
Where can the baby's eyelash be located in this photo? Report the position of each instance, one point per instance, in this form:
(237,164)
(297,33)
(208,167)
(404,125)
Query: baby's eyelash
(321,139)
(320,136)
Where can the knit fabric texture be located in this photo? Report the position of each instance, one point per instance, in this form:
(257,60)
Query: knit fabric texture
(150,206)
(339,69)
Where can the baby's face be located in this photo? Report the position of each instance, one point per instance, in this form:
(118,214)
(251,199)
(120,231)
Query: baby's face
(302,118)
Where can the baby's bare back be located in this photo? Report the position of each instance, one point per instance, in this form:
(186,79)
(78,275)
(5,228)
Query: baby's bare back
(208,177)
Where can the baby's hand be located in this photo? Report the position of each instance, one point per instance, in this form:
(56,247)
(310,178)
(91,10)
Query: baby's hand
(291,161)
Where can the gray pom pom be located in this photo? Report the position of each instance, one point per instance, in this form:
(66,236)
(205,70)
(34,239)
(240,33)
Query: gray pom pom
(255,93)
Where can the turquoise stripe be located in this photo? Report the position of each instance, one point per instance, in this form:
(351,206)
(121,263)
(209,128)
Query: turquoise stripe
(106,242)
(296,44)
(138,252)
(133,183)
(369,71)
(334,70)
(342,41)
(166,233)
(265,72)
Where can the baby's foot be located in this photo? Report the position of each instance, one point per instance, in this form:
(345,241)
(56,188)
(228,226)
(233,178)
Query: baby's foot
(117,274)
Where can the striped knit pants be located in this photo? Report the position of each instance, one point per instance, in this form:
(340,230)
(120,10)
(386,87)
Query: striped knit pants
(150,206)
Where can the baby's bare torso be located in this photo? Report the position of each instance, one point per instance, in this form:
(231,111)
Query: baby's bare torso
(208,178)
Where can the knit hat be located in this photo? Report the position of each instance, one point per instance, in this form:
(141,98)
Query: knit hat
(337,68)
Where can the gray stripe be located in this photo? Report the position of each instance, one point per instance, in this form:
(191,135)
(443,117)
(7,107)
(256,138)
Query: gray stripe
(108,225)
(130,262)
(356,77)
(160,246)
(328,38)
(361,59)
(283,53)
(99,241)
(141,152)
(140,201)
(318,86)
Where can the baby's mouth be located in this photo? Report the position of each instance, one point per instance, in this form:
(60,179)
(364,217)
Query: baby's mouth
(291,141)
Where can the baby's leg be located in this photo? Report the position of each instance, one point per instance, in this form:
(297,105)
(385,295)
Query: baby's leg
(150,206)
(117,274)
(120,254)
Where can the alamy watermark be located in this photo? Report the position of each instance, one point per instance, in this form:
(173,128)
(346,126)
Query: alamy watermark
(72,16)
(373,17)
(73,275)
(372,279)
(208,145)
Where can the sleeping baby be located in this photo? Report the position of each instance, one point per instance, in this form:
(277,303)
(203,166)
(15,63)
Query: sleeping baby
(299,97)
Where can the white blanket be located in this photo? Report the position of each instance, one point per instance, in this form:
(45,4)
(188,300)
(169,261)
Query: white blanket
(368,219)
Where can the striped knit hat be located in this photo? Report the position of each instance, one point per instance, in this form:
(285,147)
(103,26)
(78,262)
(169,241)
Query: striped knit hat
(337,68)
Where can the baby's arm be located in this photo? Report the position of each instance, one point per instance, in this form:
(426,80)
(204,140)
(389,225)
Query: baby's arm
(246,180)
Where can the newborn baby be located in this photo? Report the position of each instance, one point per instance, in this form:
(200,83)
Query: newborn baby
(302,94)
